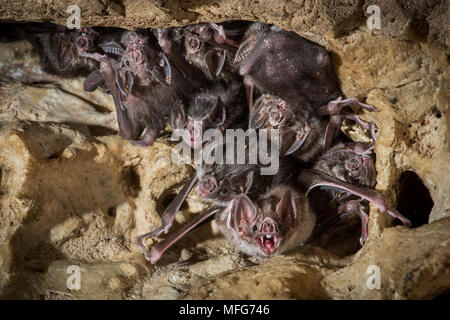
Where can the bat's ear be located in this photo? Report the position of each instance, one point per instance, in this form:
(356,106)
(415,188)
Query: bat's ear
(217,116)
(65,53)
(124,81)
(167,69)
(260,116)
(215,59)
(243,181)
(292,140)
(177,117)
(112,47)
(93,80)
(244,49)
(243,210)
(286,208)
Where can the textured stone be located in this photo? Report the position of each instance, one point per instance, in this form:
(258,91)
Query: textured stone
(72,192)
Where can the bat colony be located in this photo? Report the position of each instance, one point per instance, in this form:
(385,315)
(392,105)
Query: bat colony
(237,75)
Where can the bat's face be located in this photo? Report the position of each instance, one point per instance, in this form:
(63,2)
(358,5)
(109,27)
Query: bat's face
(85,39)
(206,112)
(292,122)
(356,167)
(219,186)
(134,59)
(262,229)
(195,36)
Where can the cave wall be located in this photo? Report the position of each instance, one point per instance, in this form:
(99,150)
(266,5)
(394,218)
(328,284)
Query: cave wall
(72,192)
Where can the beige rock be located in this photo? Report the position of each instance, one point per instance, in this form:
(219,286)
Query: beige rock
(73,193)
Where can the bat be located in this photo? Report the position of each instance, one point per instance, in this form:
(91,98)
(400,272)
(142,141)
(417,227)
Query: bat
(140,85)
(301,130)
(299,71)
(286,65)
(205,46)
(217,107)
(305,133)
(347,172)
(57,47)
(220,183)
(58,52)
(282,222)
(279,220)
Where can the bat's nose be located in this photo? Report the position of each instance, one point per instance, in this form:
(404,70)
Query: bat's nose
(268,226)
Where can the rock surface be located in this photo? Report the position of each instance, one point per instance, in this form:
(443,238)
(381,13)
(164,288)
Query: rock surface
(73,193)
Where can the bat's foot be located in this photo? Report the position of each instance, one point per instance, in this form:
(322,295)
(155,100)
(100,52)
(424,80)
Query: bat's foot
(220,36)
(355,206)
(335,110)
(147,140)
(383,205)
(362,149)
(249,86)
(335,107)
(141,246)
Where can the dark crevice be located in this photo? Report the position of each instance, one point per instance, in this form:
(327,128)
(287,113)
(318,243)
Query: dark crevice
(414,199)
(100,131)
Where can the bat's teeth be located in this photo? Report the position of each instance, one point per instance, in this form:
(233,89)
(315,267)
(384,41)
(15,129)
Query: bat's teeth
(269,236)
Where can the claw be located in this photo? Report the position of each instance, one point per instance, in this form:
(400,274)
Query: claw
(354,206)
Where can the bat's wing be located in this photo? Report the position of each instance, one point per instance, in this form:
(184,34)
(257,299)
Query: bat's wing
(93,80)
(215,60)
(165,244)
(169,214)
(311,179)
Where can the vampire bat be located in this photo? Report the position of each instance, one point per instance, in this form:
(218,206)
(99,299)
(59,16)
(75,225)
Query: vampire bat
(347,172)
(284,64)
(58,49)
(220,184)
(350,162)
(218,107)
(304,133)
(205,46)
(139,84)
(277,221)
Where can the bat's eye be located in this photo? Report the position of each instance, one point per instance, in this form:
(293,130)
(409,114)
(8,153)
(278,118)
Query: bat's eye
(254,228)
(289,123)
(223,190)
(127,63)
(279,226)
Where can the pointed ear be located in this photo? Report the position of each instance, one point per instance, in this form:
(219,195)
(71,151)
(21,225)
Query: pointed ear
(298,137)
(124,81)
(243,181)
(217,116)
(177,117)
(167,69)
(112,47)
(243,210)
(260,116)
(286,208)
(215,60)
(244,49)
(65,51)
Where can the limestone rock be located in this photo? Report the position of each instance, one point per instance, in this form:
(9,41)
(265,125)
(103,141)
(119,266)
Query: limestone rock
(74,194)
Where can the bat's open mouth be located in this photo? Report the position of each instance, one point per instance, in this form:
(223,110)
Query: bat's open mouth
(269,243)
